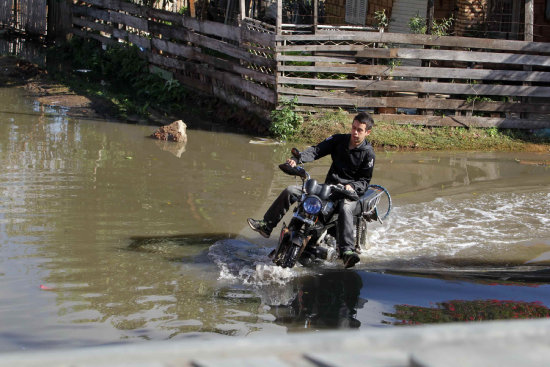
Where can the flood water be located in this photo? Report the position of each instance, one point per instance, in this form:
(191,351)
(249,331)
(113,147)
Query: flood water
(107,236)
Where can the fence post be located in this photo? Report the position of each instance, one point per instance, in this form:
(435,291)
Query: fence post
(279,16)
(528,36)
(242,12)
(14,13)
(315,15)
(59,20)
(529,16)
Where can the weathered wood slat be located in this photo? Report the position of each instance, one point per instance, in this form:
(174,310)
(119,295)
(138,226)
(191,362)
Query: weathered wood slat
(132,38)
(118,5)
(173,48)
(424,87)
(349,100)
(84,34)
(420,39)
(423,72)
(234,81)
(240,102)
(463,56)
(426,54)
(264,39)
(91,13)
(223,47)
(130,21)
(81,22)
(194,54)
(323,47)
(181,34)
(466,121)
(298,58)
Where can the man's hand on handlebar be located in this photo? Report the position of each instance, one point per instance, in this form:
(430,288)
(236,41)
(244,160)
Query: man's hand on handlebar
(349,188)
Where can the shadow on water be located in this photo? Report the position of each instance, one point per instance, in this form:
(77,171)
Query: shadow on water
(467,269)
(181,247)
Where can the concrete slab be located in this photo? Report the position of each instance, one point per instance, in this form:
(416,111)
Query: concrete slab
(498,343)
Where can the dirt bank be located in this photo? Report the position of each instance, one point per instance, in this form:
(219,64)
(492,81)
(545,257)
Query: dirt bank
(19,73)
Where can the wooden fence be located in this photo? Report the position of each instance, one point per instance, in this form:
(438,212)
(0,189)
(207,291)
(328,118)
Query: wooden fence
(24,15)
(234,63)
(455,81)
(419,79)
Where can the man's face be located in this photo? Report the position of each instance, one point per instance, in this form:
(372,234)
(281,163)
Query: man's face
(358,133)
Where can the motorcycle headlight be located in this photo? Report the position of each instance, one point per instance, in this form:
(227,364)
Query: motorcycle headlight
(312,205)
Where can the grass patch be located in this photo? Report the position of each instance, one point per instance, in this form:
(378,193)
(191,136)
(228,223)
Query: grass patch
(391,136)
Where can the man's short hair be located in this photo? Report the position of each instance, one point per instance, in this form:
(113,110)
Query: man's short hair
(365,118)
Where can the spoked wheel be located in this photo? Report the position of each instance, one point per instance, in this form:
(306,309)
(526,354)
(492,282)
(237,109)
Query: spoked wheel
(384,205)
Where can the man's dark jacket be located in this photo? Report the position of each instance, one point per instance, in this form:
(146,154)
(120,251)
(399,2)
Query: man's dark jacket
(349,166)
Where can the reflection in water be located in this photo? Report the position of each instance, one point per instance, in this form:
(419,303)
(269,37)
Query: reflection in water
(176,148)
(329,300)
(461,310)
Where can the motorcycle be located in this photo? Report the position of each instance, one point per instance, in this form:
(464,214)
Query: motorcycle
(311,236)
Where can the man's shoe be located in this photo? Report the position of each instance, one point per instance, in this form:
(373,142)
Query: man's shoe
(259,226)
(350,258)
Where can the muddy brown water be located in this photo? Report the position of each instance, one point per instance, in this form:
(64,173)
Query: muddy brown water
(107,236)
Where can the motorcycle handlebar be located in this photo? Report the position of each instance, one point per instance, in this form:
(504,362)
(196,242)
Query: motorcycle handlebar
(341,190)
(293,171)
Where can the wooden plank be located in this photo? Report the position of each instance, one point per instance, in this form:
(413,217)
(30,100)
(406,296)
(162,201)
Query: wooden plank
(215,44)
(132,38)
(130,21)
(181,34)
(298,58)
(212,28)
(465,121)
(139,41)
(118,5)
(228,79)
(266,27)
(424,72)
(239,101)
(419,39)
(81,22)
(424,87)
(264,39)
(196,55)
(91,13)
(201,26)
(225,48)
(173,48)
(323,47)
(257,90)
(105,40)
(428,54)
(346,99)
(463,56)
(163,16)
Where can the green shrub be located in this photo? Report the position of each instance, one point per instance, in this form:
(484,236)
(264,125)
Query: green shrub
(285,121)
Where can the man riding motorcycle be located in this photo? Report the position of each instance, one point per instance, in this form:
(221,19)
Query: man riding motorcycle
(352,166)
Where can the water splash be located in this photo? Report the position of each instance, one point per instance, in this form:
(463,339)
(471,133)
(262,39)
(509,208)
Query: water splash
(245,262)
(446,226)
